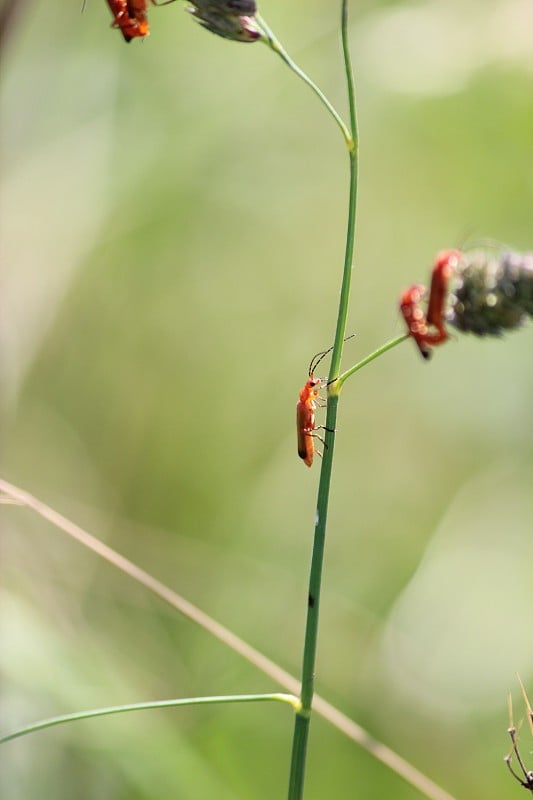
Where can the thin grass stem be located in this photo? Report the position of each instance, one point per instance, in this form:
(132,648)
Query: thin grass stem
(275,45)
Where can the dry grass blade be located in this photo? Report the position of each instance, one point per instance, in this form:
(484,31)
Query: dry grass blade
(527,703)
(339,720)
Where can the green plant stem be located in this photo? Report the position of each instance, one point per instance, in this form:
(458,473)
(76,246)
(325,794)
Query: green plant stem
(273,42)
(353,154)
(186,701)
(302,720)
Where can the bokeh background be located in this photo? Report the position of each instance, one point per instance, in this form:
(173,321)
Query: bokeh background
(173,218)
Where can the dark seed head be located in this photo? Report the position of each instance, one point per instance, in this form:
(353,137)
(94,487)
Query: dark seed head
(231,19)
(492,292)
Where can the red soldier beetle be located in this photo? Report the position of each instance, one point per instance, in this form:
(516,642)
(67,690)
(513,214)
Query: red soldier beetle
(418,323)
(305,410)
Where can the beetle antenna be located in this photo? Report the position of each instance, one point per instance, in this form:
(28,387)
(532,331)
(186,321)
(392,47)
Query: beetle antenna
(317,358)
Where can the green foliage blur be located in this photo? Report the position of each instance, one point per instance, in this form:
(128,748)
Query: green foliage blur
(172,239)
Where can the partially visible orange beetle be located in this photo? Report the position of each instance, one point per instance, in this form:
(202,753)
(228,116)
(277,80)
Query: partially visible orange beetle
(130,17)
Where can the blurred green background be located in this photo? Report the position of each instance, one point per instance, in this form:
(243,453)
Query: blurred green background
(173,218)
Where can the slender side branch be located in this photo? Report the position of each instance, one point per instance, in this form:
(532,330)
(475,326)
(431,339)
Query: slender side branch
(273,42)
(185,701)
(368,359)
